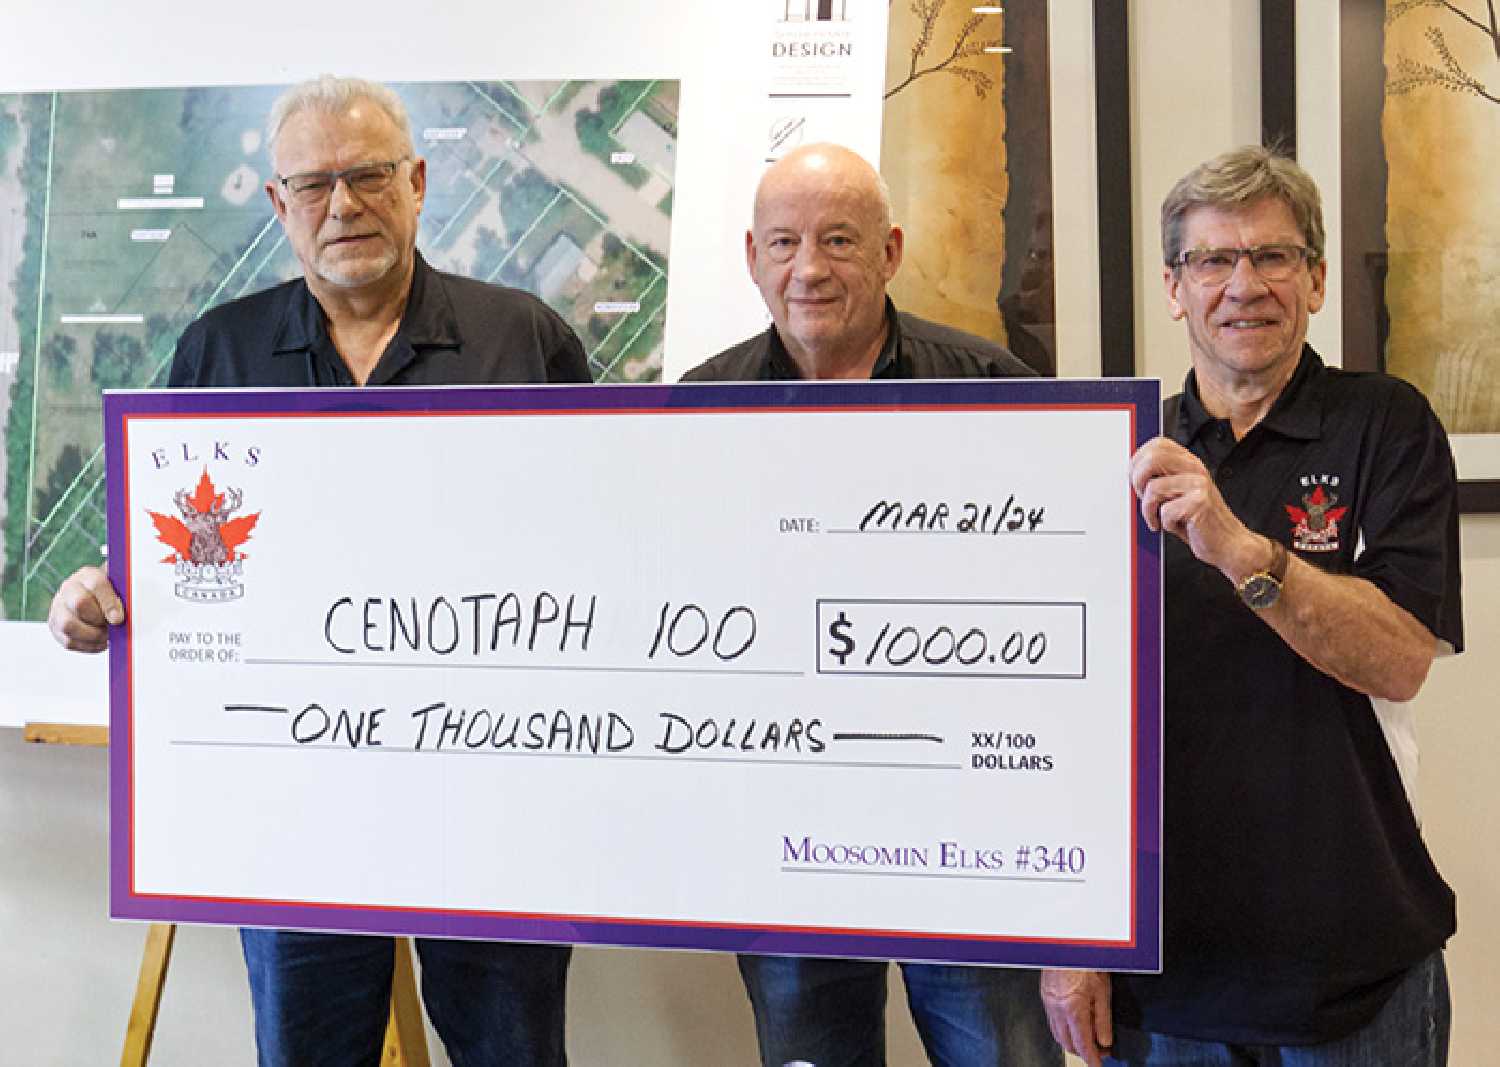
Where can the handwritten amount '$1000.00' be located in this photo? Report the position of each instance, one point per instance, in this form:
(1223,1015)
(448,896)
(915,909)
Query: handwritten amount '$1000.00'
(939,646)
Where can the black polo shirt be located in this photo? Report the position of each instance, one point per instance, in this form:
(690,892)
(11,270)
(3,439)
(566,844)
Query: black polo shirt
(1298,890)
(455,331)
(914,348)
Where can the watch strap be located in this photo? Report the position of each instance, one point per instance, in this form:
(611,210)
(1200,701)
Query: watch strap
(1280,561)
(1261,589)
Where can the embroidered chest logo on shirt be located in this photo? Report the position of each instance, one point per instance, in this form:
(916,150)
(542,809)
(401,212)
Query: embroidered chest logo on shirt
(1315,525)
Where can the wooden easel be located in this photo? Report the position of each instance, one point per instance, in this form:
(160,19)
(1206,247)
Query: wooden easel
(405,1037)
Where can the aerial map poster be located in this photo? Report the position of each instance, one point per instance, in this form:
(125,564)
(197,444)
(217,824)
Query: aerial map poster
(114,241)
(132,167)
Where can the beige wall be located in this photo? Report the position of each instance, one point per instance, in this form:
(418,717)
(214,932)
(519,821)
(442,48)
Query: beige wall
(1460,794)
(1195,92)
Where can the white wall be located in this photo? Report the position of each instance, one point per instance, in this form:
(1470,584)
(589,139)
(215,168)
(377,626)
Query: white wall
(69,973)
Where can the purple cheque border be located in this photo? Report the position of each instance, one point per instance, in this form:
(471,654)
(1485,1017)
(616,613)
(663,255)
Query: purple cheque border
(1142,395)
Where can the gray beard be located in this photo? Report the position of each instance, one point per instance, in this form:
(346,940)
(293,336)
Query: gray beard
(363,274)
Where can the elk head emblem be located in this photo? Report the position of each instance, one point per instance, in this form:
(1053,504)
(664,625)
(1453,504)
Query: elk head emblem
(1318,506)
(205,526)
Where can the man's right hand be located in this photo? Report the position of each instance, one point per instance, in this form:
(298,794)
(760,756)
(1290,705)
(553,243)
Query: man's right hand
(85,606)
(1078,1011)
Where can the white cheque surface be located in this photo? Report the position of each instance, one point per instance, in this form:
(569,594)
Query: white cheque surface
(828,670)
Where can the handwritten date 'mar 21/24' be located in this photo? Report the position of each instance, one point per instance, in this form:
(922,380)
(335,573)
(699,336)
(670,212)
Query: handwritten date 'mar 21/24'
(896,516)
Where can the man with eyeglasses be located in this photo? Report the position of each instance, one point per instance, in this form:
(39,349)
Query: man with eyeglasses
(1311,577)
(348,190)
(821,249)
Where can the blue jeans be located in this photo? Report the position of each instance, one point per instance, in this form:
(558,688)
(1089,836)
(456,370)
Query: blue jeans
(1410,1031)
(831,1013)
(324,999)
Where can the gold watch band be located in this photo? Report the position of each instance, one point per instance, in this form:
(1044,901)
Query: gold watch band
(1262,589)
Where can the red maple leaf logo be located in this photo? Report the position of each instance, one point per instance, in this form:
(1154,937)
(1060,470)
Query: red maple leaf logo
(204,497)
(174,535)
(178,536)
(236,532)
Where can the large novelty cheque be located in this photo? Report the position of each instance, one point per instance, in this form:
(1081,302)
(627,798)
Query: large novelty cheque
(857,669)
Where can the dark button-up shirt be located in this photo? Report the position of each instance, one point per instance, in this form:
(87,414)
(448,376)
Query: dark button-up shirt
(455,331)
(914,348)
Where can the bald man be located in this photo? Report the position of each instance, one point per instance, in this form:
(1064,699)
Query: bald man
(822,249)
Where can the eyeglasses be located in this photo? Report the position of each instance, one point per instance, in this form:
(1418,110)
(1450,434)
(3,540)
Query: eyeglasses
(316,186)
(1213,266)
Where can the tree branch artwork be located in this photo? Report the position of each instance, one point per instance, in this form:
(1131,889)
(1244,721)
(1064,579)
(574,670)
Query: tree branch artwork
(1409,74)
(927,12)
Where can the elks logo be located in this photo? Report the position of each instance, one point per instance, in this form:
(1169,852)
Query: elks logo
(205,542)
(1316,523)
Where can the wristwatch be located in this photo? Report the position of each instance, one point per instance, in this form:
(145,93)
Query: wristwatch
(1263,588)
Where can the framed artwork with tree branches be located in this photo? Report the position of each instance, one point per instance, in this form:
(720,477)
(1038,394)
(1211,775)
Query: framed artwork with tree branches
(1420,150)
(971,97)
(969,44)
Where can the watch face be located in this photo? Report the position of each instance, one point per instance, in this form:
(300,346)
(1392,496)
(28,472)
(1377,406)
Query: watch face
(1260,591)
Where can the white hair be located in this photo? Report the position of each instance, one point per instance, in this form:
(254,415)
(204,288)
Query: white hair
(330,94)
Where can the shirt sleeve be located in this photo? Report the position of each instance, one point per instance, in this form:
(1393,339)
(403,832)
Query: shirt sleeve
(1409,547)
(566,362)
(187,359)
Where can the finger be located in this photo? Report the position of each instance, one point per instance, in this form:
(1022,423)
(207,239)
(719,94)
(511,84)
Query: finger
(1060,1022)
(1144,466)
(1176,459)
(1161,488)
(1183,501)
(1178,483)
(1063,1031)
(76,618)
(1057,1019)
(1161,455)
(1083,1041)
(1104,1026)
(73,633)
(1054,1018)
(1176,516)
(1059,1027)
(98,585)
(74,601)
(1160,495)
(1151,502)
